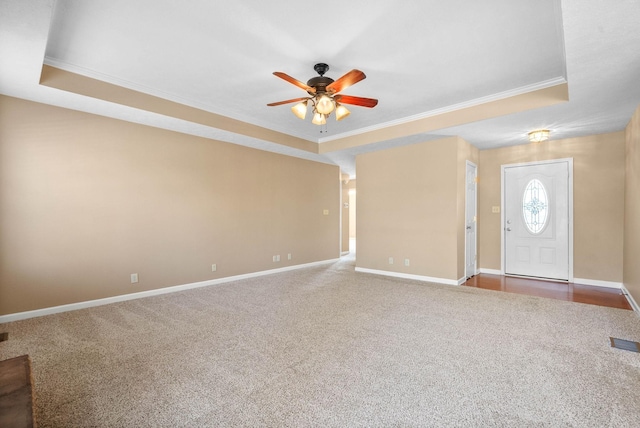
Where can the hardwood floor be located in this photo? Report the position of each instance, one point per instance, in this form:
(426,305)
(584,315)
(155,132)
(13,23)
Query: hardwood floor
(570,292)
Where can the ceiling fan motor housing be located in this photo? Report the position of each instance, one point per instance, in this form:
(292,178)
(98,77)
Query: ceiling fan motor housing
(320,83)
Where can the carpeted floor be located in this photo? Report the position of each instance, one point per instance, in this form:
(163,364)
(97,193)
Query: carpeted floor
(326,346)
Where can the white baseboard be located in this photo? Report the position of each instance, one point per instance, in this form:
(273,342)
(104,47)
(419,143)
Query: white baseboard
(598,283)
(490,271)
(124,297)
(631,300)
(344,253)
(409,276)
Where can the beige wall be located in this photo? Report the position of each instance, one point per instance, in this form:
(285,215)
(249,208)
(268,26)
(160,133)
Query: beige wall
(598,174)
(632,208)
(85,201)
(409,207)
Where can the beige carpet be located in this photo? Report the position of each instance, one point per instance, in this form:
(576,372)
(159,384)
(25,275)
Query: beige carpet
(325,346)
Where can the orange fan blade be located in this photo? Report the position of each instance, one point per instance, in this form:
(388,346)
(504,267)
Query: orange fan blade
(279,103)
(356,101)
(298,83)
(351,78)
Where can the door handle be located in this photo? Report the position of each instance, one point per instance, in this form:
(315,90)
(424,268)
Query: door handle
(468,227)
(508,229)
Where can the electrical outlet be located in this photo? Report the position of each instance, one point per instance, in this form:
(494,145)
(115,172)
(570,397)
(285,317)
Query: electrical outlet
(406,262)
(390,260)
(134,278)
(325,212)
(214,267)
(495,209)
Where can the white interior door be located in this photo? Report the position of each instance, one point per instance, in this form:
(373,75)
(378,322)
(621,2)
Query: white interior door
(470,220)
(536,219)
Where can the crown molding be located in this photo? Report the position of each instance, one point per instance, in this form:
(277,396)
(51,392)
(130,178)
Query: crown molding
(448,109)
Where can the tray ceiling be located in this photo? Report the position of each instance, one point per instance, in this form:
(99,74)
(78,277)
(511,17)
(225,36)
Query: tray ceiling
(423,60)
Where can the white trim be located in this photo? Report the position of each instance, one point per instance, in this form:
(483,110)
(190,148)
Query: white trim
(502,206)
(409,276)
(570,178)
(630,299)
(598,283)
(448,109)
(340,209)
(462,280)
(560,32)
(491,271)
(124,297)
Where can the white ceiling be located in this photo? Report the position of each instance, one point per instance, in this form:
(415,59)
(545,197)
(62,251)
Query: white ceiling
(419,56)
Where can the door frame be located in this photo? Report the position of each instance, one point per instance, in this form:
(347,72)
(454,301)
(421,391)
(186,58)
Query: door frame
(502,208)
(475,214)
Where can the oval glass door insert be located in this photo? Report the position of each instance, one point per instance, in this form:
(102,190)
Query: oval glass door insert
(535,206)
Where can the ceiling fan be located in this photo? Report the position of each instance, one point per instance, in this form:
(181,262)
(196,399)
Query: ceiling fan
(324,95)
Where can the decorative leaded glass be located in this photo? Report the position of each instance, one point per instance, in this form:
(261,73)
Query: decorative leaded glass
(535,206)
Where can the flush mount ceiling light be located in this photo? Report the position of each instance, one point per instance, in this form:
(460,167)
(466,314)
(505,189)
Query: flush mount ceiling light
(539,135)
(323,95)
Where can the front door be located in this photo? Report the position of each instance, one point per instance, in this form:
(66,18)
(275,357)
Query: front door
(536,219)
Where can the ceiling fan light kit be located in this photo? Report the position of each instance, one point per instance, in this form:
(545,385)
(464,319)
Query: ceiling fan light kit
(341,112)
(324,104)
(319,119)
(323,94)
(300,109)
